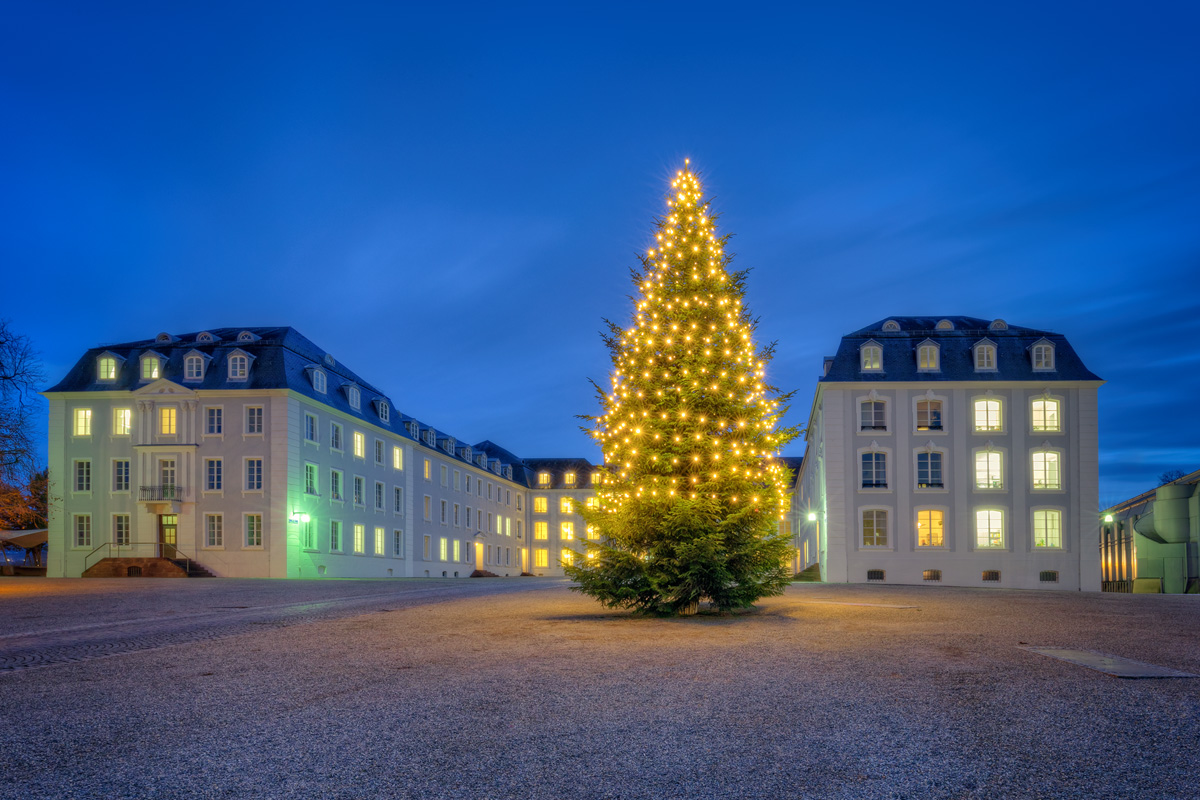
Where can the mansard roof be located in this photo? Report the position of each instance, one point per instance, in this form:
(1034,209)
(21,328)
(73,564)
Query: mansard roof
(957,363)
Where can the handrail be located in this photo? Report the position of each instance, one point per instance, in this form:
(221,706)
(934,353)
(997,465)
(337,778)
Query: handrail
(157,550)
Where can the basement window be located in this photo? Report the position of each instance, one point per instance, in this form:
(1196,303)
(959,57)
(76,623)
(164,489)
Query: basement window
(931,575)
(991,576)
(1048,576)
(875,575)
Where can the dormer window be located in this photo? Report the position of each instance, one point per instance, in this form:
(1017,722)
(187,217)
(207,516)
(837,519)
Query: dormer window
(891,326)
(543,480)
(354,396)
(927,358)
(384,411)
(1043,356)
(166,337)
(412,428)
(985,357)
(206,337)
(945,325)
(247,336)
(998,325)
(871,358)
(150,368)
(569,480)
(106,368)
(193,368)
(319,381)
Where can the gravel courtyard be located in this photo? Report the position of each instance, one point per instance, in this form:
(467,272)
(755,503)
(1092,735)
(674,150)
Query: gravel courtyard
(519,688)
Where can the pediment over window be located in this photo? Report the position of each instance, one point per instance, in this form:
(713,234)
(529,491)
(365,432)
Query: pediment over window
(161,387)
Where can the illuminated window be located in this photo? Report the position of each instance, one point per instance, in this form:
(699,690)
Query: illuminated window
(254,474)
(931,528)
(83,422)
(120,477)
(985,358)
(166,421)
(872,415)
(541,530)
(149,368)
(442,552)
(335,535)
(360,538)
(564,505)
(568,556)
(106,368)
(569,479)
(428,470)
(929,415)
(592,502)
(254,530)
(83,476)
(929,470)
(1047,528)
(1045,415)
(457,550)
(122,421)
(989,470)
(568,530)
(335,436)
(360,491)
(871,358)
(214,530)
(592,533)
(1043,356)
(541,556)
(989,528)
(398,457)
(193,368)
(987,416)
(379,542)
(360,444)
(927,357)
(83,530)
(254,419)
(875,527)
(310,478)
(544,480)
(1047,473)
(540,505)
(213,477)
(874,470)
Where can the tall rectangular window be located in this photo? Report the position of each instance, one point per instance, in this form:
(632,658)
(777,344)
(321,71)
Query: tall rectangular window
(83,476)
(166,421)
(379,452)
(83,530)
(310,428)
(398,543)
(931,528)
(1046,471)
(379,490)
(360,445)
(871,358)
(254,530)
(335,484)
(214,421)
(456,519)
(380,542)
(457,550)
(1045,415)
(987,415)
(929,415)
(428,506)
(310,479)
(442,548)
(929,471)
(457,480)
(874,470)
(443,472)
(254,419)
(398,499)
(540,505)
(425,550)
(212,475)
(541,557)
(397,457)
(83,422)
(360,491)
(564,505)
(120,531)
(568,530)
(335,436)
(443,506)
(360,539)
(120,478)
(541,530)
(989,528)
(874,528)
(1047,528)
(335,535)
(428,474)
(254,474)
(122,421)
(873,415)
(214,530)
(308,535)
(989,473)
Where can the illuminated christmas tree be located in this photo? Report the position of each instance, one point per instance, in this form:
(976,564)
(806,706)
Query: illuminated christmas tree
(688,503)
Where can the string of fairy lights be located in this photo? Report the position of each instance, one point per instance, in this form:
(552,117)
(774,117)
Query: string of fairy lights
(688,413)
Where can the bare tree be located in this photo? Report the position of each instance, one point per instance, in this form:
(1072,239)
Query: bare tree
(20,375)
(1170,476)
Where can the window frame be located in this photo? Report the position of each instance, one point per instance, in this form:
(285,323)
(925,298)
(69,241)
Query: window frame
(1003,535)
(873,450)
(125,416)
(1060,513)
(941,430)
(1060,469)
(1002,455)
(1058,403)
(861,404)
(875,364)
(917,512)
(1001,427)
(889,539)
(942,455)
(81,426)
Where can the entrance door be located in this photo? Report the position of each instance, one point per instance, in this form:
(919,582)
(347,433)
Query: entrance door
(168,526)
(479,555)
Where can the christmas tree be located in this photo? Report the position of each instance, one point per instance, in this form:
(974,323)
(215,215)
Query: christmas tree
(688,502)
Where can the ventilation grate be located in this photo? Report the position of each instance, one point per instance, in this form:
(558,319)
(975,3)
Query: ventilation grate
(133,572)
(931,575)
(875,575)
(991,576)
(1048,576)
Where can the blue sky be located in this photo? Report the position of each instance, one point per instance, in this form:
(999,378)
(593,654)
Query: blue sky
(449,200)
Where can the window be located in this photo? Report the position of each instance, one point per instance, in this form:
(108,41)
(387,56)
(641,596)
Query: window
(335,484)
(931,575)
(310,479)
(929,415)
(428,470)
(212,475)
(985,358)
(384,412)
(568,530)
(355,397)
(929,470)
(872,415)
(1044,416)
(457,480)
(468,516)
(335,436)
(398,460)
(360,491)
(541,530)
(989,528)
(380,451)
(931,528)
(254,474)
(83,530)
(398,543)
(398,500)
(83,476)
(335,535)
(1047,528)
(874,470)
(318,381)
(989,472)
(457,508)
(489,490)
(120,531)
(360,539)
(213,421)
(1047,473)
(927,357)
(569,479)
(120,477)
(541,557)
(193,368)
(166,421)
(457,550)
(564,505)
(254,419)
(122,421)
(443,474)
(308,535)
(543,480)
(443,553)
(149,368)
(540,505)
(427,506)
(214,530)
(1043,356)
(871,358)
(83,422)
(254,530)
(360,444)
(875,527)
(987,415)
(490,529)
(379,542)
(518,501)
(592,533)
(567,556)
(310,428)
(106,368)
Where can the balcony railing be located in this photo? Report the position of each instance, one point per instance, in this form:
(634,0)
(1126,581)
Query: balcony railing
(163,493)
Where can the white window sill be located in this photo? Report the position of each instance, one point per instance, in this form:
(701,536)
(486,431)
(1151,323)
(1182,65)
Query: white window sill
(214,547)
(258,492)
(253,547)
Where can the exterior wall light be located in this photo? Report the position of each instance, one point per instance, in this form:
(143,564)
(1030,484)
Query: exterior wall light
(812,516)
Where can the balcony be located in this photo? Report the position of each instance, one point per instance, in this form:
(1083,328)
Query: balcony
(163,493)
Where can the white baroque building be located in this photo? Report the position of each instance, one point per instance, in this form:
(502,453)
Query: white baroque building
(958,451)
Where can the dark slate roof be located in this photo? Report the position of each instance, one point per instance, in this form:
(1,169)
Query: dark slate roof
(956,357)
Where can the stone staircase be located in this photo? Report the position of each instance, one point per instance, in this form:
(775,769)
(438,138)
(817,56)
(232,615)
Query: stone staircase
(146,568)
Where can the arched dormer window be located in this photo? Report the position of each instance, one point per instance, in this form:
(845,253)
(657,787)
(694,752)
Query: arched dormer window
(383,410)
(106,367)
(985,356)
(945,325)
(247,336)
(891,326)
(206,337)
(998,325)
(870,357)
(928,357)
(239,368)
(1042,355)
(319,381)
(151,366)
(166,337)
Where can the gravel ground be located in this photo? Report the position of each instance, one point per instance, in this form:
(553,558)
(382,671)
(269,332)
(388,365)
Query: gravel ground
(522,689)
